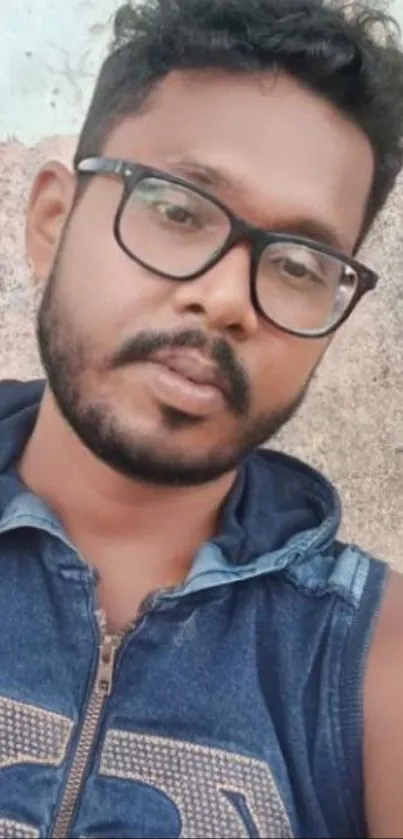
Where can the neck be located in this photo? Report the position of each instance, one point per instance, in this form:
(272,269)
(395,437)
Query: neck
(139,536)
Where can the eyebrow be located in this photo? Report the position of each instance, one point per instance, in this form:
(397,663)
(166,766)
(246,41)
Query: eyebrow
(211,177)
(318,231)
(202,174)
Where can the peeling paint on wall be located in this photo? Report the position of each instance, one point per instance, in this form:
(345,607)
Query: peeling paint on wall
(49,55)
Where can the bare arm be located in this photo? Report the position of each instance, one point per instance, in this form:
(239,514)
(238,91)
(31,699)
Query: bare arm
(383,715)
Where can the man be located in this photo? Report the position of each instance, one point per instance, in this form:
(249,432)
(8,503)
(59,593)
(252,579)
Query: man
(186,648)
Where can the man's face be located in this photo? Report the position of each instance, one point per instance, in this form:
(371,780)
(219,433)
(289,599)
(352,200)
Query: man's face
(106,324)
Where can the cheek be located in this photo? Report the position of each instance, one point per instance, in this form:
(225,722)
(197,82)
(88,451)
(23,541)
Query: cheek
(285,365)
(106,288)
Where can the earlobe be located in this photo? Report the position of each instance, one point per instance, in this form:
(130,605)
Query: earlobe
(49,206)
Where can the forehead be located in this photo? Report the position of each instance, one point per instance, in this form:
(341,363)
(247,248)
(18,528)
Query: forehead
(288,154)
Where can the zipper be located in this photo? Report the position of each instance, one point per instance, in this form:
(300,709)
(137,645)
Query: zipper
(109,646)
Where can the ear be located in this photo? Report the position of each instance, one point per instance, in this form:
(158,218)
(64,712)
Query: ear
(49,206)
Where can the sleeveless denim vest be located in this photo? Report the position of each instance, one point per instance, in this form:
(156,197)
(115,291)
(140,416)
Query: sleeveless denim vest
(233,707)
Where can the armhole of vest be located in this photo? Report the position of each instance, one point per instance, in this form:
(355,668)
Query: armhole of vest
(352,675)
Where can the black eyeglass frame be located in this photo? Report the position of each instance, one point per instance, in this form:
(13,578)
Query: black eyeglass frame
(240,230)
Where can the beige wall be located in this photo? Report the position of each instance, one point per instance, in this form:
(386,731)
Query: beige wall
(352,424)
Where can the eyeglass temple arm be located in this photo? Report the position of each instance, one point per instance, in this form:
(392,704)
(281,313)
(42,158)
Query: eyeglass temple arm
(94,165)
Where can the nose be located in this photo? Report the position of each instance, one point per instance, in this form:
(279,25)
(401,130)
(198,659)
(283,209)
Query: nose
(222,296)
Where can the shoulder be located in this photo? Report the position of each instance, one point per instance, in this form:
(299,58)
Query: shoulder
(345,571)
(338,609)
(383,717)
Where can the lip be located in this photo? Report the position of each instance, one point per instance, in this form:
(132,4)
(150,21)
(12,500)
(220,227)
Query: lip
(192,365)
(187,381)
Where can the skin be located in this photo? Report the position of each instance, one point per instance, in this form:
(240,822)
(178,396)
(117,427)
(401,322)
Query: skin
(279,178)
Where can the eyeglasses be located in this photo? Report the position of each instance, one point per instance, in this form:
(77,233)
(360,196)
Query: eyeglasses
(179,231)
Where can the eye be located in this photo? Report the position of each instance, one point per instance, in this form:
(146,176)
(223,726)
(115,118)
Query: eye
(291,266)
(170,205)
(304,267)
(177,213)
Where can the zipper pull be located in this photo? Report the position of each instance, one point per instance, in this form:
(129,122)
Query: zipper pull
(107,654)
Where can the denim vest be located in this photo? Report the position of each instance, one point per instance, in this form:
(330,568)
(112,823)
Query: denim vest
(233,707)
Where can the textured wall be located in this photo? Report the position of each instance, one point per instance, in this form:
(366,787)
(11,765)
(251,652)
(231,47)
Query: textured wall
(352,424)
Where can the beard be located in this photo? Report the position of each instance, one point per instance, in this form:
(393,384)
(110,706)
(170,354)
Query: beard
(67,358)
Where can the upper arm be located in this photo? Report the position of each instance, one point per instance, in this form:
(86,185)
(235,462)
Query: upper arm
(383,719)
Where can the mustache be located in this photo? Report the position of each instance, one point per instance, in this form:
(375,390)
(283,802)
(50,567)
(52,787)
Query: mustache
(142,347)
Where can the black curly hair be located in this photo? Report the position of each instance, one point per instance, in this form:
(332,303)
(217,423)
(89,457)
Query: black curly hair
(350,54)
